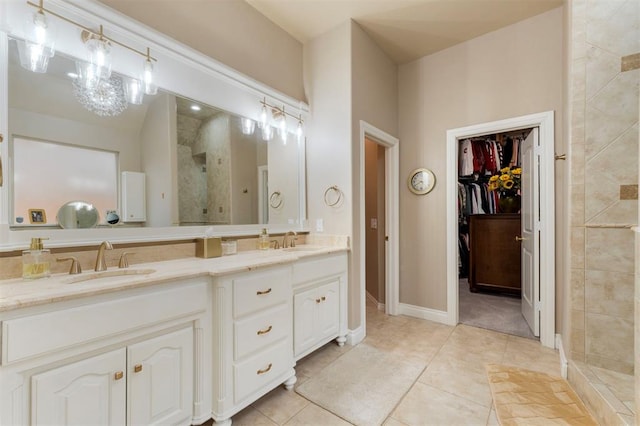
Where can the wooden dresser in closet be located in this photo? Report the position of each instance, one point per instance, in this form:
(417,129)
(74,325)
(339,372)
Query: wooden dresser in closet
(494,253)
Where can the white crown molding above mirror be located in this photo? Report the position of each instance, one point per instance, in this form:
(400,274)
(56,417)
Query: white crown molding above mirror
(201,78)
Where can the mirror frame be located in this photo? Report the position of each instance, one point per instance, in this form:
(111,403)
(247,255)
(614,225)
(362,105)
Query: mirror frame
(226,89)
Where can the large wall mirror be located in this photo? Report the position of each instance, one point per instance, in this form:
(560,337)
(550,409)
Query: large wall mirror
(201,165)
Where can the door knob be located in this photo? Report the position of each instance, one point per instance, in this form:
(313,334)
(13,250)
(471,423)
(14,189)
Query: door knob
(520,238)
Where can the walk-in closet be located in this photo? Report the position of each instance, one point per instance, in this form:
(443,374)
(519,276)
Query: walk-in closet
(490,240)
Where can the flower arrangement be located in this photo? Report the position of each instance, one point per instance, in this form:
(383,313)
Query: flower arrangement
(507,182)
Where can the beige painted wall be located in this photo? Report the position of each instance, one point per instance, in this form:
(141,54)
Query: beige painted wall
(347,79)
(511,72)
(327,67)
(230,31)
(374,78)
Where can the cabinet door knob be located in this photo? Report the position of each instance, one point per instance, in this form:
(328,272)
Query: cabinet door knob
(317,300)
(265,370)
(261,292)
(137,368)
(323,298)
(265,331)
(520,238)
(119,375)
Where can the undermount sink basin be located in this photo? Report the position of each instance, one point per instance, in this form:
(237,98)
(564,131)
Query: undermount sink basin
(302,248)
(109,274)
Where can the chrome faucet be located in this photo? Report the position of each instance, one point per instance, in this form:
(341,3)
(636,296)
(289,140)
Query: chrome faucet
(292,240)
(101,264)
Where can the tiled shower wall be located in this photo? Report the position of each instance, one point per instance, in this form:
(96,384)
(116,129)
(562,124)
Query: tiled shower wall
(604,177)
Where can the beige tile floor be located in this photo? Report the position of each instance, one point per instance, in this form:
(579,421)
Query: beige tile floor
(452,389)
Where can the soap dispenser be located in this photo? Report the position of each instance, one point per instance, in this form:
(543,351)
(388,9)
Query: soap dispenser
(36,262)
(263,240)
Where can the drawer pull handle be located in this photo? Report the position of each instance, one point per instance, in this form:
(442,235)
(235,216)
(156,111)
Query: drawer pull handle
(137,368)
(323,298)
(119,375)
(261,292)
(265,331)
(265,370)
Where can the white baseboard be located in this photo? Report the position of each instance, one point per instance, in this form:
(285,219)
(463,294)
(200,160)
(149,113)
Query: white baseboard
(373,300)
(355,336)
(423,313)
(564,362)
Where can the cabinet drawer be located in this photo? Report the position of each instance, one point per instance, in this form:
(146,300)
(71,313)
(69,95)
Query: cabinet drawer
(35,335)
(260,290)
(258,331)
(314,269)
(259,371)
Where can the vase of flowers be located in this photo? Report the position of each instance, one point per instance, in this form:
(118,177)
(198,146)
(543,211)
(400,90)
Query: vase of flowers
(507,183)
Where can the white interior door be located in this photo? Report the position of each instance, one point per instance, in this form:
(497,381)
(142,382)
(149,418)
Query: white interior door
(530,216)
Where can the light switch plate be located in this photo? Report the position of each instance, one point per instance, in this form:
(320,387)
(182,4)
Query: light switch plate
(319,225)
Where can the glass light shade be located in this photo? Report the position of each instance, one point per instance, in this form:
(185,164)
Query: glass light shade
(281,121)
(263,117)
(86,74)
(34,57)
(299,131)
(267,133)
(248,126)
(99,57)
(39,44)
(148,77)
(133,91)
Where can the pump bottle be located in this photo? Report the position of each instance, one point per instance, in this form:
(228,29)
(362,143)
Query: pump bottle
(36,262)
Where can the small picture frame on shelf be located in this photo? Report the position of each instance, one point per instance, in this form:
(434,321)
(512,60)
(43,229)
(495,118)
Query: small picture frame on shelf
(37,216)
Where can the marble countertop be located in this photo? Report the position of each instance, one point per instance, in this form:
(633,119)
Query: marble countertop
(20,293)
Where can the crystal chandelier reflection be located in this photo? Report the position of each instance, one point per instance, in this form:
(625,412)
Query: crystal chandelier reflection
(105,98)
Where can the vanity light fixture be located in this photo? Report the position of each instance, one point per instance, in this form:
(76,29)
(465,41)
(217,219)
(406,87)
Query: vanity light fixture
(279,119)
(94,76)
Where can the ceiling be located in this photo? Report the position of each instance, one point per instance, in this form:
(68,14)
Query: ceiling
(405,29)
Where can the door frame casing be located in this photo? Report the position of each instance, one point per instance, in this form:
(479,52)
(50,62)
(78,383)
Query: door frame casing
(392,224)
(545,122)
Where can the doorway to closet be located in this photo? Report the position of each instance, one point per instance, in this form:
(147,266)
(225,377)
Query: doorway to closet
(495,196)
(534,244)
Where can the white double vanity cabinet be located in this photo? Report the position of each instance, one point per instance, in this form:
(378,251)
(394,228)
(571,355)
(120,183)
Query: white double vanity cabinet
(178,343)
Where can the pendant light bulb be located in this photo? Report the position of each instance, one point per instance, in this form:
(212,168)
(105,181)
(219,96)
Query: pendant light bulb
(263,117)
(299,129)
(148,77)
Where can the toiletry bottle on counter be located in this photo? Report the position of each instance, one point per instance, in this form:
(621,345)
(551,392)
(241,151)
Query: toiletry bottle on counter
(36,262)
(263,240)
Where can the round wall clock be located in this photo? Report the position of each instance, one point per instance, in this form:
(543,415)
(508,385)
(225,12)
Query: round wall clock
(421,181)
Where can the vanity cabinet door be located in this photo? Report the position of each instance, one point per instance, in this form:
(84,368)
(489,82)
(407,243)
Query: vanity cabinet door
(328,309)
(304,320)
(316,315)
(91,391)
(160,379)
